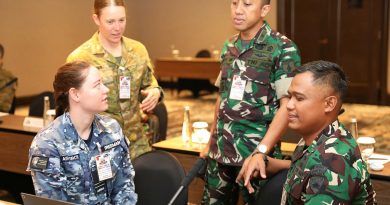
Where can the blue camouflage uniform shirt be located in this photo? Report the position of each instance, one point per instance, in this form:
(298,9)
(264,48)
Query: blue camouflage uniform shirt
(63,166)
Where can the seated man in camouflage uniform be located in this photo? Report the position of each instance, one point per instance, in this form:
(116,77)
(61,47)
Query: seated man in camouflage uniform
(7,86)
(326,166)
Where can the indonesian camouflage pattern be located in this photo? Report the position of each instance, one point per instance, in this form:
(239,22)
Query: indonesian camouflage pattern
(7,93)
(71,180)
(222,188)
(136,64)
(329,171)
(241,124)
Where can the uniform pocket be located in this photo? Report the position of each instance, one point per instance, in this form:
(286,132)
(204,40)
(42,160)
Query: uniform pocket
(73,171)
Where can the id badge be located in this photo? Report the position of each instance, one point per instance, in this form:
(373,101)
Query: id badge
(103,165)
(124,87)
(238,88)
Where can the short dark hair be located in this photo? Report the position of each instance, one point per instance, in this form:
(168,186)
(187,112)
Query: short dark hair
(327,73)
(1,51)
(265,2)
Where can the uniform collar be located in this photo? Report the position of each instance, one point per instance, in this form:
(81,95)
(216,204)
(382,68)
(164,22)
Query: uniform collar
(259,38)
(323,136)
(98,50)
(263,33)
(70,131)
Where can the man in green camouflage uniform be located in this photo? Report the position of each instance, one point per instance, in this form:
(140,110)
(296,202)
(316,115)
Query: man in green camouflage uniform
(134,63)
(326,166)
(257,68)
(7,85)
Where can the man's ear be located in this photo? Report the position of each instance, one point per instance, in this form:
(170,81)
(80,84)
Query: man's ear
(330,103)
(96,19)
(265,9)
(74,95)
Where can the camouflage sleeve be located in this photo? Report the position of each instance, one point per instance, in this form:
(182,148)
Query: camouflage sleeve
(223,52)
(47,174)
(338,184)
(148,79)
(289,59)
(124,189)
(8,89)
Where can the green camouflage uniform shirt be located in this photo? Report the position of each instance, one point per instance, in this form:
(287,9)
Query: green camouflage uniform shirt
(136,64)
(7,90)
(329,171)
(267,65)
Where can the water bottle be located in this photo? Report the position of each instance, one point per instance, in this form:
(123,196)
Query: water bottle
(354,128)
(186,130)
(46,107)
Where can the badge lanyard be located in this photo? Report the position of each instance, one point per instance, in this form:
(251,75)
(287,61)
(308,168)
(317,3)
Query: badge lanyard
(103,165)
(238,84)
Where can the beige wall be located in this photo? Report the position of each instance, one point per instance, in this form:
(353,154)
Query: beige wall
(38,35)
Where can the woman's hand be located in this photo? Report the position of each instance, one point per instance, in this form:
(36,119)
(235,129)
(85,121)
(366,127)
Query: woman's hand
(151,99)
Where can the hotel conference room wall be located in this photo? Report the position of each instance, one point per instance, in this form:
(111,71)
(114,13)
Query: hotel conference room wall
(39,34)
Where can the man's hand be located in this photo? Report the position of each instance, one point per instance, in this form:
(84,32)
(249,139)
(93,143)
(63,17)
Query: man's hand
(253,165)
(151,99)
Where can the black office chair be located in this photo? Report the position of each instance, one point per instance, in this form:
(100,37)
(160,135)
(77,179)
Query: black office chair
(13,106)
(35,108)
(196,85)
(158,175)
(158,122)
(271,193)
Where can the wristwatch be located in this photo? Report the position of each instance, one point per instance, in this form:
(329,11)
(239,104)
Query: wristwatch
(262,149)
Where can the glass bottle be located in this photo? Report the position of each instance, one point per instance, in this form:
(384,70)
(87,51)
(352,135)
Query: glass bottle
(354,128)
(46,107)
(186,130)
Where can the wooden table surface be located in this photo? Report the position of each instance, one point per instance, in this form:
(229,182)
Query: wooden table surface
(6,203)
(15,141)
(188,67)
(176,144)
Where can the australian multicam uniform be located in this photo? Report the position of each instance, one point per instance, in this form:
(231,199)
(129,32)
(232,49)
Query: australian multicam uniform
(7,90)
(63,166)
(267,65)
(135,63)
(329,171)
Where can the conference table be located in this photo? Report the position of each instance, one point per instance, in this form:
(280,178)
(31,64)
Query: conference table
(15,141)
(187,67)
(188,153)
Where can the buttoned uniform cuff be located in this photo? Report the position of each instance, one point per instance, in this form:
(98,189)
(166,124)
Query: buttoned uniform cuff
(265,158)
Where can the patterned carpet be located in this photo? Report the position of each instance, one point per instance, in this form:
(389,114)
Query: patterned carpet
(372,120)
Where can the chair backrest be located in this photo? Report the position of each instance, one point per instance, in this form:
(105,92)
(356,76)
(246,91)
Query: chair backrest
(271,193)
(161,113)
(158,175)
(36,106)
(204,53)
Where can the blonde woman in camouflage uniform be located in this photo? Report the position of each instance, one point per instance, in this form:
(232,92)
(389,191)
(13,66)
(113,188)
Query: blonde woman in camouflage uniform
(126,70)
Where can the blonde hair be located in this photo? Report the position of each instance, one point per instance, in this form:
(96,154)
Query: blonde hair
(101,4)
